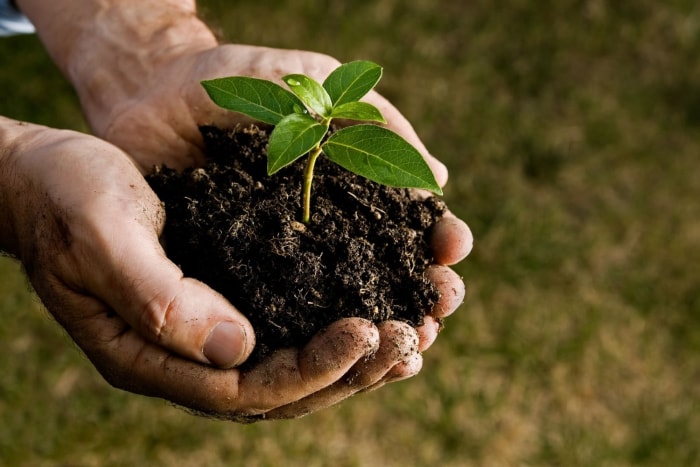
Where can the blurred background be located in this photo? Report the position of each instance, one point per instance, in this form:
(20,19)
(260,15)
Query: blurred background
(571,130)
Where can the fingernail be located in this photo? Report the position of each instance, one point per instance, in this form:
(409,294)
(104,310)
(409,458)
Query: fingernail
(225,345)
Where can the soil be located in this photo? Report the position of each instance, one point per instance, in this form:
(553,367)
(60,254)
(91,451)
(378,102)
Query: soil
(232,226)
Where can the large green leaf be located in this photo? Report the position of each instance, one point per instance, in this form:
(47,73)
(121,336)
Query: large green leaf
(380,155)
(257,98)
(310,92)
(361,111)
(293,137)
(351,81)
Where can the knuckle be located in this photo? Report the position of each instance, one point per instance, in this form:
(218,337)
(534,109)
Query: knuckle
(156,314)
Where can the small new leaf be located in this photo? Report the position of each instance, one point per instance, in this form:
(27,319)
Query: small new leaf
(311,93)
(293,137)
(380,155)
(351,81)
(360,111)
(257,98)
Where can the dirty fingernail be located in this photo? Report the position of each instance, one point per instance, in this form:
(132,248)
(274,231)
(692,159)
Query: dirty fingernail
(225,345)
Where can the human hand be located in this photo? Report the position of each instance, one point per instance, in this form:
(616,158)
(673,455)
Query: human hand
(138,70)
(452,239)
(138,81)
(81,218)
(181,99)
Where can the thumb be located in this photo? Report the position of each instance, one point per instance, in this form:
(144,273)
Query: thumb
(86,217)
(149,292)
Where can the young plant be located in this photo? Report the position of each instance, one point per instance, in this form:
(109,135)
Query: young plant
(302,118)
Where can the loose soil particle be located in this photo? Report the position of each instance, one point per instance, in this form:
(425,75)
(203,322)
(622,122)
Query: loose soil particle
(232,226)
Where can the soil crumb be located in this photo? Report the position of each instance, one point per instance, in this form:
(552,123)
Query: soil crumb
(232,226)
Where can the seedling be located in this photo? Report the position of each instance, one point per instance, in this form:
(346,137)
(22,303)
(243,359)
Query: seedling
(302,119)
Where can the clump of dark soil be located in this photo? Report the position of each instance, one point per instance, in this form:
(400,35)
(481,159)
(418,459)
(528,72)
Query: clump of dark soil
(232,226)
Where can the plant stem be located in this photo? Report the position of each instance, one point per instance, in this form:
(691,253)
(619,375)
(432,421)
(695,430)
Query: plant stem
(308,177)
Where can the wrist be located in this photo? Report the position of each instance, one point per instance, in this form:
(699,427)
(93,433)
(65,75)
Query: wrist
(12,132)
(111,50)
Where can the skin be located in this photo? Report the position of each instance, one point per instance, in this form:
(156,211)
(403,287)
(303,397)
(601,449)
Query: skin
(76,211)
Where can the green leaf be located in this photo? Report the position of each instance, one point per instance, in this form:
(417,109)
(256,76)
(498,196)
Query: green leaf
(380,155)
(257,98)
(361,111)
(293,137)
(310,92)
(351,81)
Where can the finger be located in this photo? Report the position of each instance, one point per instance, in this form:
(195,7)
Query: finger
(428,332)
(178,313)
(124,264)
(408,368)
(450,287)
(451,240)
(398,343)
(401,371)
(132,364)
(129,362)
(289,375)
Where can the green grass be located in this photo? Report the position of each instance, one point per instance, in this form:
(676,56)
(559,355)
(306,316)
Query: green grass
(572,133)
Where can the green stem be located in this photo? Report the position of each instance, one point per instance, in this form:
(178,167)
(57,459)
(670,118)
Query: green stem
(306,189)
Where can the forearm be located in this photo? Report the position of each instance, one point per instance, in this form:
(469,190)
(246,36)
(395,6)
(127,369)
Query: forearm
(109,49)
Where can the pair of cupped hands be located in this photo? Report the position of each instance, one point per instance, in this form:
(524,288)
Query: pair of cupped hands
(86,226)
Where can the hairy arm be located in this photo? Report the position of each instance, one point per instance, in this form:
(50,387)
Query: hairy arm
(110,49)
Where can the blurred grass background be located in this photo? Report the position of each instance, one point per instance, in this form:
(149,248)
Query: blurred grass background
(572,133)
